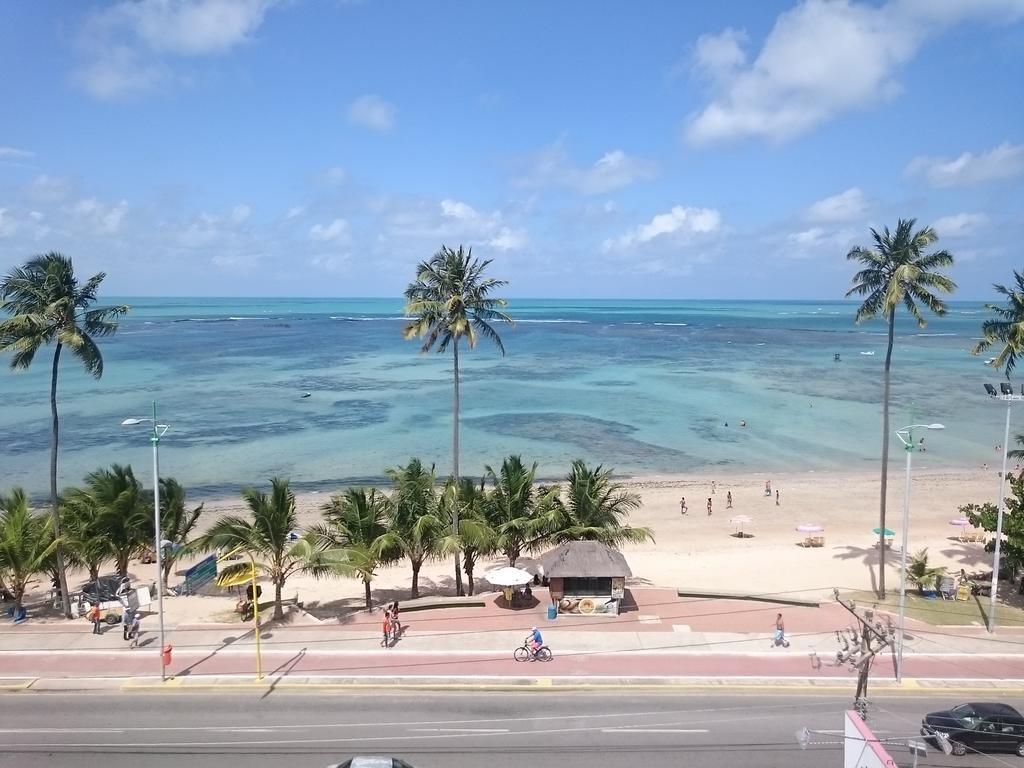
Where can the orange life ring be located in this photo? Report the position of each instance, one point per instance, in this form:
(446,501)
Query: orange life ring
(586,605)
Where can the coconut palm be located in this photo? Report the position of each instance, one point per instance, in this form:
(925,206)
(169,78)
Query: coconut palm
(84,538)
(1007,328)
(517,508)
(592,508)
(449,301)
(176,522)
(415,527)
(897,272)
(354,522)
(121,509)
(26,544)
(47,305)
(921,574)
(264,536)
(465,500)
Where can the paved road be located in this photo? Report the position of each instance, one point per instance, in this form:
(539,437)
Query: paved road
(541,730)
(317,662)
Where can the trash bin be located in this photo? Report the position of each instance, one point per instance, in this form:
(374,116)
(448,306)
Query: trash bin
(167,655)
(552,612)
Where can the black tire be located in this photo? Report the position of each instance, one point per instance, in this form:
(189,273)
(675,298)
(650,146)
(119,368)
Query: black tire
(521,654)
(543,653)
(958,749)
(1020,748)
(112,619)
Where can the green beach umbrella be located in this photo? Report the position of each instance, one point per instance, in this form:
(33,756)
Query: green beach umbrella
(878,532)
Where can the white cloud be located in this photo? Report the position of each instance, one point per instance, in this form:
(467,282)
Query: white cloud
(294,212)
(104,219)
(371,111)
(240,213)
(816,241)
(678,221)
(335,232)
(845,206)
(960,224)
(613,170)
(1003,162)
(49,189)
(508,240)
(453,209)
(13,153)
(126,46)
(821,58)
(329,263)
(8,226)
(334,176)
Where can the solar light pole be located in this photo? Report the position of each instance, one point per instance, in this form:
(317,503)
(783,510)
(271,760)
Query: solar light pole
(906,436)
(1005,394)
(159,430)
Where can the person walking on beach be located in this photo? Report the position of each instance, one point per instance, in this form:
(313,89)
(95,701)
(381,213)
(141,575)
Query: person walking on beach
(780,633)
(386,626)
(713,487)
(728,500)
(767,487)
(95,617)
(776,497)
(682,505)
(709,506)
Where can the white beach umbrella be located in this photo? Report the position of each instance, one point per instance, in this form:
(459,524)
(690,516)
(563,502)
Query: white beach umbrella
(508,577)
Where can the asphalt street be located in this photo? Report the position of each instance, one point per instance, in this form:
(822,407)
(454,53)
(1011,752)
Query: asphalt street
(449,730)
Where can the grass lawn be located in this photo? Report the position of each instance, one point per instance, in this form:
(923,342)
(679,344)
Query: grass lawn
(938,611)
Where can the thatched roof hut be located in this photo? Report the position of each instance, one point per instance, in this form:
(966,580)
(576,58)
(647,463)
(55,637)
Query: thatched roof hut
(588,559)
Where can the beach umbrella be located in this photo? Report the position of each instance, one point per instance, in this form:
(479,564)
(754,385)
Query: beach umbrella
(878,532)
(508,577)
(810,528)
(963,522)
(741,520)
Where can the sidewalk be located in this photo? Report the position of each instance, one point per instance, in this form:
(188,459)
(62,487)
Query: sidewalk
(664,639)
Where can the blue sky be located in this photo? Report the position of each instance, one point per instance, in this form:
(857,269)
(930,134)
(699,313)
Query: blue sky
(655,149)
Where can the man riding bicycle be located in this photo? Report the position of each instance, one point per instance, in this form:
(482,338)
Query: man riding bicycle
(534,640)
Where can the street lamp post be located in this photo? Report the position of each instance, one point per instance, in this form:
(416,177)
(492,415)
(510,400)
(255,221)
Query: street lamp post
(906,436)
(1005,394)
(159,430)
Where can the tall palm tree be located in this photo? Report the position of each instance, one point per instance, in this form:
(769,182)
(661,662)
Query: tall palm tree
(464,500)
(1007,328)
(26,544)
(264,536)
(176,522)
(897,271)
(449,301)
(47,305)
(123,513)
(593,508)
(415,527)
(349,537)
(85,540)
(517,508)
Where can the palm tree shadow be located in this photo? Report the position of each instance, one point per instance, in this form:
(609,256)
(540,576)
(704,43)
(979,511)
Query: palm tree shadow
(867,555)
(967,556)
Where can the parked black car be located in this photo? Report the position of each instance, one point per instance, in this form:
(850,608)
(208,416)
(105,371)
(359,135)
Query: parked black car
(978,727)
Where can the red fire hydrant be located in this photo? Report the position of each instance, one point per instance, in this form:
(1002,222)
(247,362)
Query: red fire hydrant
(167,655)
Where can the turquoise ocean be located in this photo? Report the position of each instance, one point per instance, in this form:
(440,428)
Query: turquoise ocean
(644,387)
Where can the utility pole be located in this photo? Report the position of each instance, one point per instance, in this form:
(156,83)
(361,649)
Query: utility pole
(858,648)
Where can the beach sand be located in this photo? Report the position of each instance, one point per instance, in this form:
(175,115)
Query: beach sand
(696,551)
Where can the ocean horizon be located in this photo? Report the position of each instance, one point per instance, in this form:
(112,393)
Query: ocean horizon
(640,386)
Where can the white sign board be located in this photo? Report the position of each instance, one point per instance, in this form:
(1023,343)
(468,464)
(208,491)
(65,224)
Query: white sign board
(861,748)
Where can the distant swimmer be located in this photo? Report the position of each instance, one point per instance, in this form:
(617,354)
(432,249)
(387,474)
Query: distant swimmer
(307,394)
(743,423)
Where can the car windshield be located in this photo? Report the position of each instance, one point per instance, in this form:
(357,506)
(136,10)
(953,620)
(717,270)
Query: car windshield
(967,714)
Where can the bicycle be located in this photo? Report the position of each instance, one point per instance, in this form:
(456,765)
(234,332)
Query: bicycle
(526,653)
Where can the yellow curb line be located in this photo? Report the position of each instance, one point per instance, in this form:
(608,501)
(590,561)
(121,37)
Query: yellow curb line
(16,687)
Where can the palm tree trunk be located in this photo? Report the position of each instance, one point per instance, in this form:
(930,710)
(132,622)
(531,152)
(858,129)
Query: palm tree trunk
(885,455)
(455,466)
(278,608)
(415,580)
(366,585)
(469,560)
(122,564)
(62,577)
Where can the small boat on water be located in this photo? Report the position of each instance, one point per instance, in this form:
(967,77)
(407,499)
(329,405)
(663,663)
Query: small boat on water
(990,361)
(869,352)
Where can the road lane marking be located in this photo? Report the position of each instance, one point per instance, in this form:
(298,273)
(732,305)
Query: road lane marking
(655,730)
(459,730)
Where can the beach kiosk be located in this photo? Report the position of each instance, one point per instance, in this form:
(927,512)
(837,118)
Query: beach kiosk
(586,577)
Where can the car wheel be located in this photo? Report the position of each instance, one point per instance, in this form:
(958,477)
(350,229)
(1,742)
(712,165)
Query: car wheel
(112,619)
(958,749)
(1020,748)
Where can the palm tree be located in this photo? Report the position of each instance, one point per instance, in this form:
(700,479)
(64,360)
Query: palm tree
(264,536)
(26,544)
(415,527)
(1007,327)
(451,300)
(921,574)
(122,513)
(465,501)
(85,540)
(354,523)
(176,522)
(897,271)
(593,508)
(47,305)
(517,509)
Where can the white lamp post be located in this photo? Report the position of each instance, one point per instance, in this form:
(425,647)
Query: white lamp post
(158,431)
(1005,394)
(906,436)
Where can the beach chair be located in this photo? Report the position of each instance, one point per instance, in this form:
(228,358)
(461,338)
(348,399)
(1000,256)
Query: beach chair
(947,587)
(817,541)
